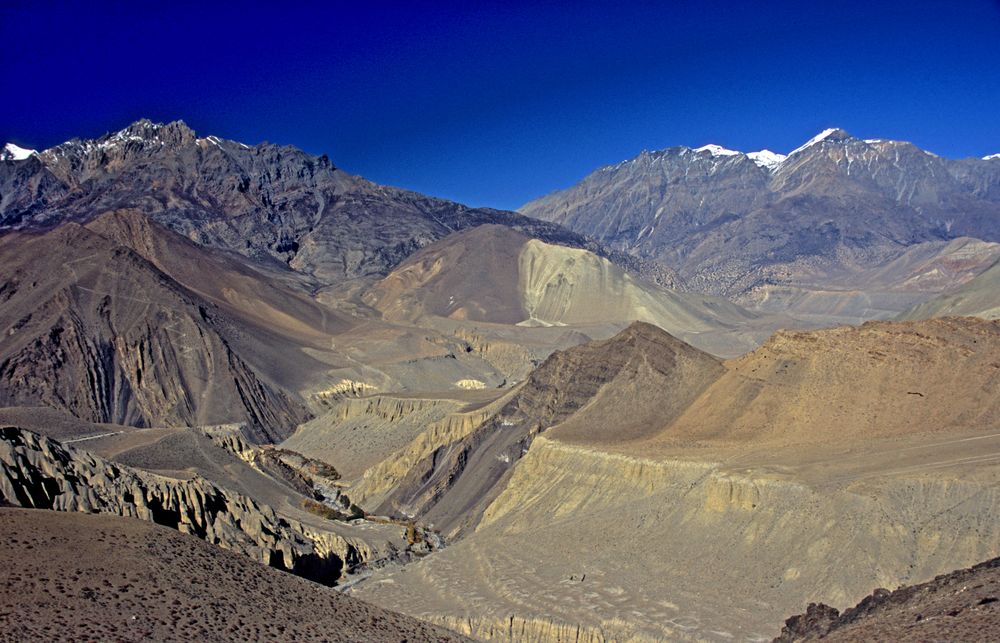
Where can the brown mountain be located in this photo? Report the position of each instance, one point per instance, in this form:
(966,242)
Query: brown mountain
(663,495)
(640,375)
(495,274)
(94,328)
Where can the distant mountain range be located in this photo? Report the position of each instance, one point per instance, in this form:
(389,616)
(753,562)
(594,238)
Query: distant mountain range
(733,224)
(265,201)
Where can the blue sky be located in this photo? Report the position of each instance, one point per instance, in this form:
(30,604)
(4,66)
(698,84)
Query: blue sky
(501,102)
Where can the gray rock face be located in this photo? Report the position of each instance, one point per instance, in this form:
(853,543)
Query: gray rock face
(36,472)
(266,201)
(729,223)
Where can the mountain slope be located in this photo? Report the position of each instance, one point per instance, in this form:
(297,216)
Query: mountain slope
(642,369)
(980,297)
(266,201)
(730,224)
(813,469)
(93,328)
(111,578)
(494,274)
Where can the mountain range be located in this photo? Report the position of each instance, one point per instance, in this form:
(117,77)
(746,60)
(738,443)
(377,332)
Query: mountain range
(683,400)
(817,218)
(268,202)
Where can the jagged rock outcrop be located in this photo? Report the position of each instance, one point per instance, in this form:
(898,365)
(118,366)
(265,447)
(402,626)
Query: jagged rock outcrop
(43,474)
(265,201)
(730,224)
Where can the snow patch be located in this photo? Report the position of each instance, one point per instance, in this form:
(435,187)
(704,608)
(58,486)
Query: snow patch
(716,150)
(12,152)
(815,139)
(767,159)
(991,156)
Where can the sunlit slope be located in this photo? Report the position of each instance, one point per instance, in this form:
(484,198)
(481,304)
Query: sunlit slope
(494,274)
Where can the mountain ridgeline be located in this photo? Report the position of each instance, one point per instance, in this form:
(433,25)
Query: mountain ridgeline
(731,223)
(265,201)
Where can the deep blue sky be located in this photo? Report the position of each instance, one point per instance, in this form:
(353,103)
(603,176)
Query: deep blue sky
(500,103)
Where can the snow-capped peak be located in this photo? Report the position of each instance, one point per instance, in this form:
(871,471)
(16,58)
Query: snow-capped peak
(12,152)
(822,136)
(767,159)
(716,150)
(992,156)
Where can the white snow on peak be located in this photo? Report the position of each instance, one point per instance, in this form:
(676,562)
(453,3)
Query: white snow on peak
(767,159)
(14,153)
(214,140)
(991,156)
(815,139)
(716,150)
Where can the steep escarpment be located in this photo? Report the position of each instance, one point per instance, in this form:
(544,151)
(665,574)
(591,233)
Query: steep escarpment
(40,473)
(712,505)
(358,433)
(92,328)
(451,485)
(613,546)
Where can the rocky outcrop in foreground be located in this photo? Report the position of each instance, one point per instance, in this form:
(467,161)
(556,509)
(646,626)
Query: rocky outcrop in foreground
(960,606)
(83,577)
(41,473)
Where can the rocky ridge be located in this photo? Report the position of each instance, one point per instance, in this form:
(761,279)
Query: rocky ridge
(962,605)
(43,474)
(92,327)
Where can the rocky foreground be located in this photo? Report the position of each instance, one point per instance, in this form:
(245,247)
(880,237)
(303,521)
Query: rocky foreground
(74,576)
(960,606)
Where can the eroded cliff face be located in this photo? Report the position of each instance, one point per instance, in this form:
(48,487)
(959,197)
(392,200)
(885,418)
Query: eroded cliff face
(92,328)
(41,473)
(450,473)
(618,547)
